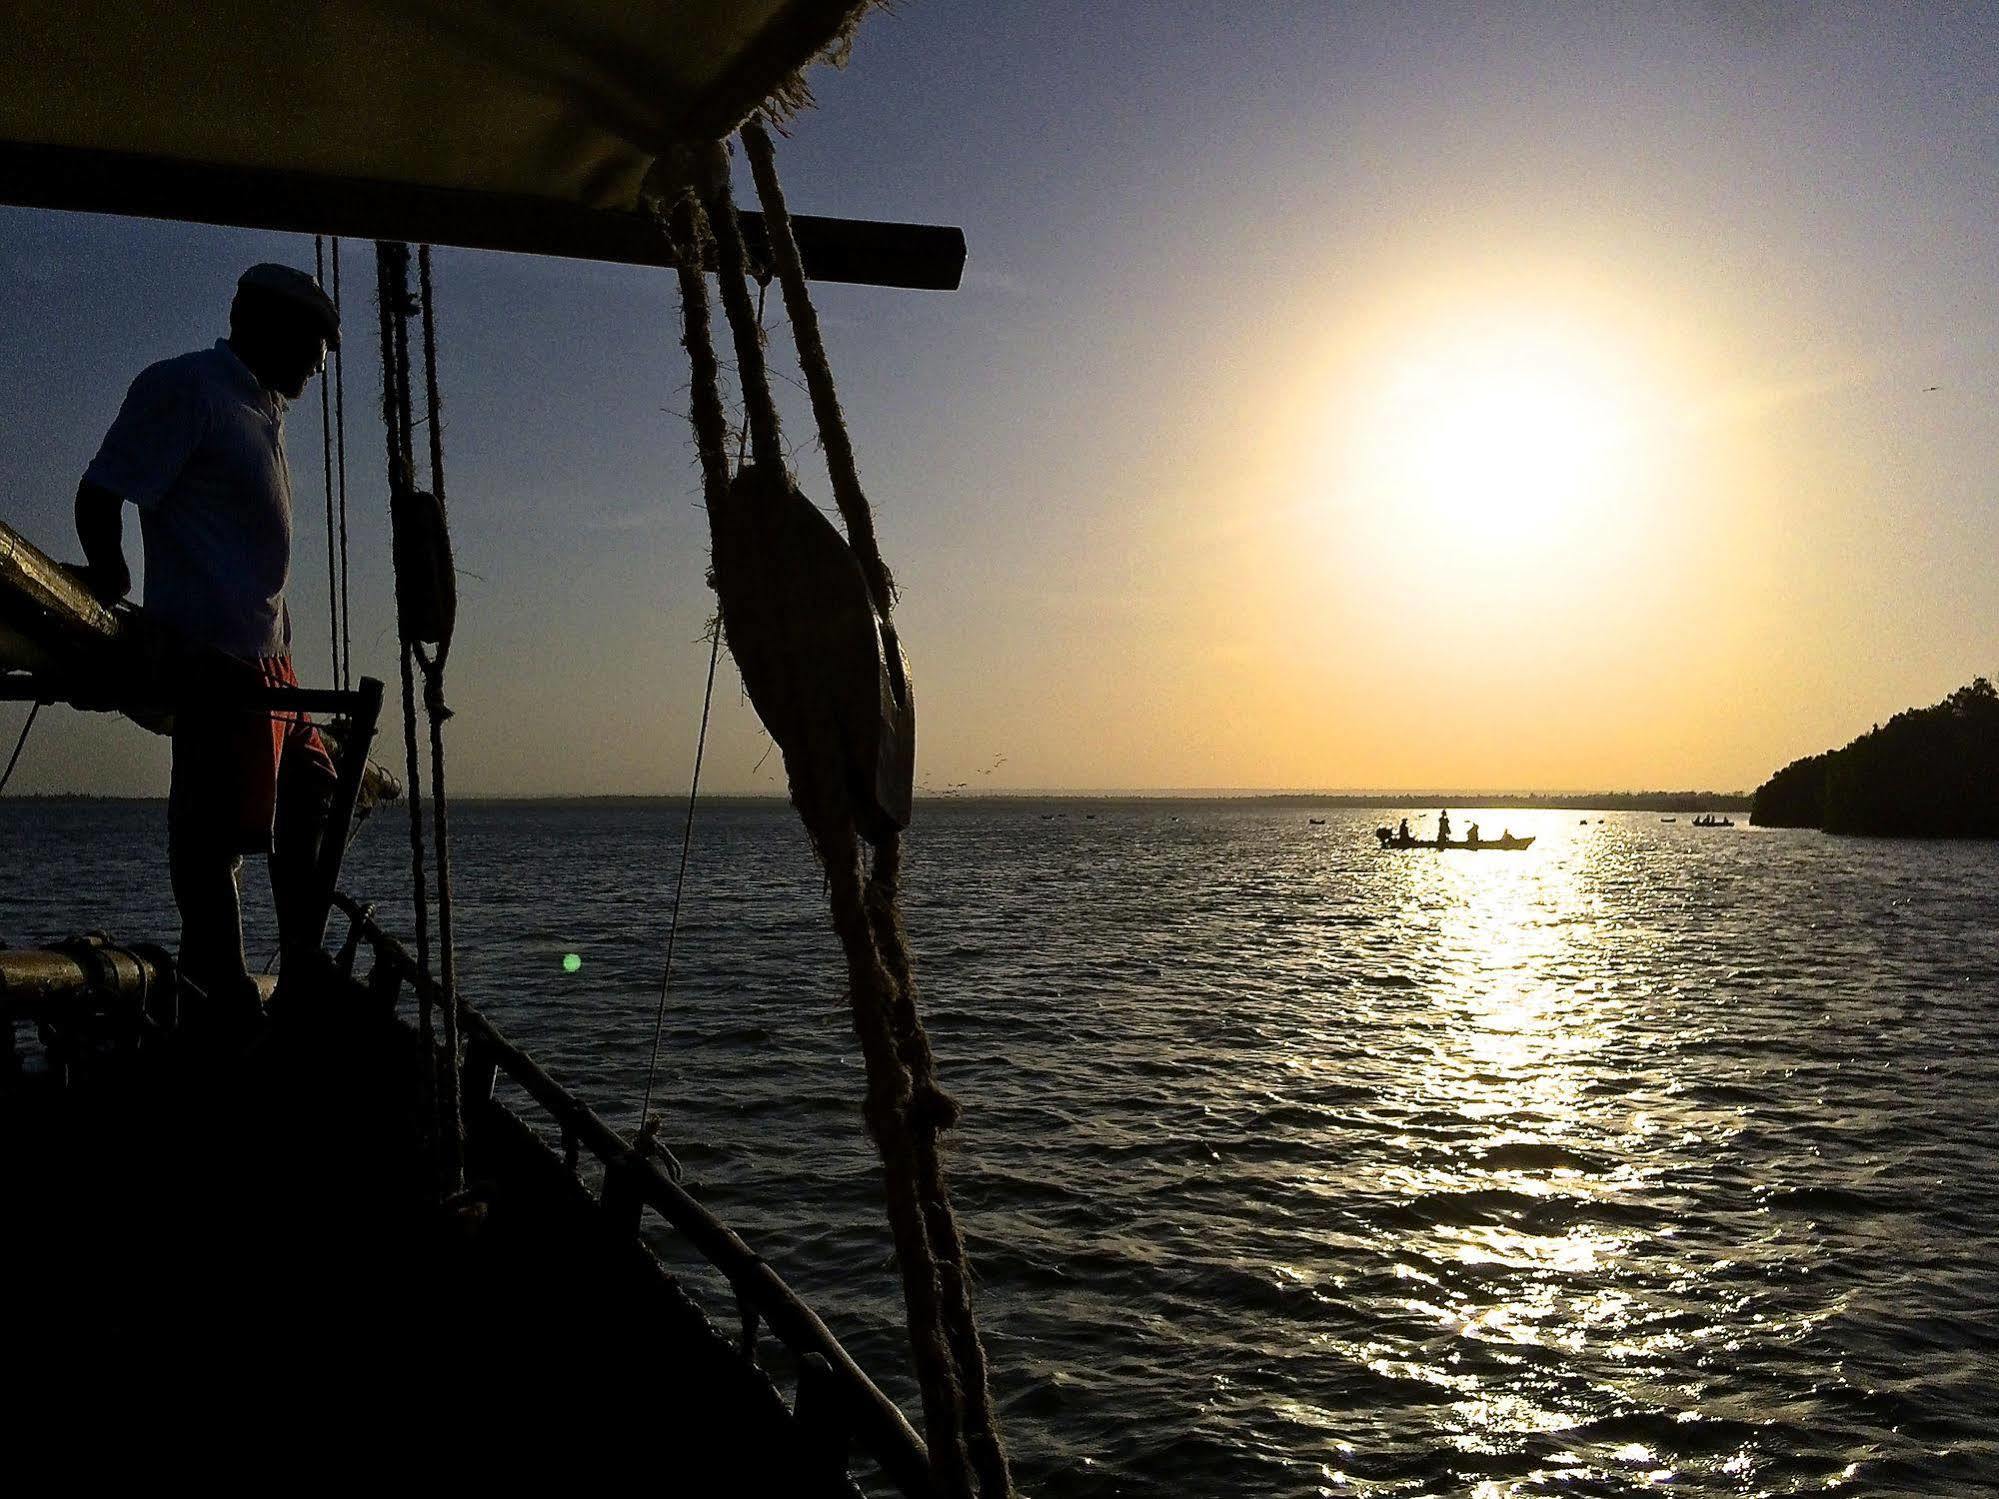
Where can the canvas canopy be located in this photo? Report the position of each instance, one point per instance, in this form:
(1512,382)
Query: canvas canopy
(535,125)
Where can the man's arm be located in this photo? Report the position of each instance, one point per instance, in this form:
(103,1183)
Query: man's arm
(100,526)
(161,422)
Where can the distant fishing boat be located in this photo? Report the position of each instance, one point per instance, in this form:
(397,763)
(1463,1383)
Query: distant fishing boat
(1711,821)
(1505,843)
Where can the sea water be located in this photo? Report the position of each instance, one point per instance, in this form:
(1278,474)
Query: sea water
(1651,1156)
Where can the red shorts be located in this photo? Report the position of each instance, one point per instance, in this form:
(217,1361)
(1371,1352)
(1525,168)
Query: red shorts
(226,765)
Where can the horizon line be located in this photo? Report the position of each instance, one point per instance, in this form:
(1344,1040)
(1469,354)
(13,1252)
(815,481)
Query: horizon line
(1413,795)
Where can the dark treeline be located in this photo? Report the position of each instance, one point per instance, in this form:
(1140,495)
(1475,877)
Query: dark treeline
(1926,773)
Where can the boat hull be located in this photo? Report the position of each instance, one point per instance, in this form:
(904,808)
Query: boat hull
(1484,845)
(278,1211)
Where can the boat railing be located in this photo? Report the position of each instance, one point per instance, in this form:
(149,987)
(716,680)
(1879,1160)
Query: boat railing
(836,1403)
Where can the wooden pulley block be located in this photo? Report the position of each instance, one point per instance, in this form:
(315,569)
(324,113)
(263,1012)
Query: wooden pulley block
(823,668)
(426,580)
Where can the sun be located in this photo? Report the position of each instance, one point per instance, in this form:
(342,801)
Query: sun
(1495,433)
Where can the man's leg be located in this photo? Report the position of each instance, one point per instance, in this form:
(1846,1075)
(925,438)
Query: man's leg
(203,871)
(216,768)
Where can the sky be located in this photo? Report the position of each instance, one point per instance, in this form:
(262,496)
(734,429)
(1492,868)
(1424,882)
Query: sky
(1339,397)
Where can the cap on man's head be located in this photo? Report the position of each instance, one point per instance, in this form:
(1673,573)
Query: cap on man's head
(289,284)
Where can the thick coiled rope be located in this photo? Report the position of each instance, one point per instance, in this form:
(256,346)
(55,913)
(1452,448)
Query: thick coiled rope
(905,1107)
(883,888)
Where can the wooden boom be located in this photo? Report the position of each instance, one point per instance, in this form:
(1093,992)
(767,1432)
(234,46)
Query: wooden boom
(921,257)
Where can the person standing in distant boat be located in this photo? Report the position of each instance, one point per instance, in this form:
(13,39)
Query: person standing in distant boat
(1443,828)
(1402,833)
(198,449)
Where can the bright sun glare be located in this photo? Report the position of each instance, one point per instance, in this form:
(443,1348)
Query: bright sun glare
(1497,434)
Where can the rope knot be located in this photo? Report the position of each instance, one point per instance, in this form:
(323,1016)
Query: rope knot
(931,1108)
(434,706)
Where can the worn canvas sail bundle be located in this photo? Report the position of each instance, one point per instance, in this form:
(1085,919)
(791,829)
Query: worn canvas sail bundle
(569,100)
(547,127)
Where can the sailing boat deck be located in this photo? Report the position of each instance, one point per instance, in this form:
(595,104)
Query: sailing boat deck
(272,1208)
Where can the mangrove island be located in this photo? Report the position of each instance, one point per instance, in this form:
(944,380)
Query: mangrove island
(1926,773)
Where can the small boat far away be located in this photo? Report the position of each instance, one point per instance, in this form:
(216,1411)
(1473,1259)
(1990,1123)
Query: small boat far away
(1711,821)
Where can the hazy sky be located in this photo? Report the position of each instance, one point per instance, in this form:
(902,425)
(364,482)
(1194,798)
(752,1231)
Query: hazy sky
(1339,396)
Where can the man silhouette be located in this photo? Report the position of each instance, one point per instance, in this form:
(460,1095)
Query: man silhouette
(198,450)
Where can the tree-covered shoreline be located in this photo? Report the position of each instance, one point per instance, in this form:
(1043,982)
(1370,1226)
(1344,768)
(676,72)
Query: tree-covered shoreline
(1927,773)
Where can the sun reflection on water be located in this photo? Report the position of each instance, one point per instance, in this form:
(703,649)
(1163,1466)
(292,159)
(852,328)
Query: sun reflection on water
(1518,1161)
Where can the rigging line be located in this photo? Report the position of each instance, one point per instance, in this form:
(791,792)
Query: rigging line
(680,882)
(743,437)
(747,334)
(834,439)
(454,1047)
(392,306)
(687,831)
(21,743)
(406,419)
(326,465)
(346,673)
(893,1097)
(436,712)
(688,233)
(433,404)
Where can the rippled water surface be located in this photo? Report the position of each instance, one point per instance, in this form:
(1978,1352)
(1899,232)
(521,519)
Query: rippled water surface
(1649,1156)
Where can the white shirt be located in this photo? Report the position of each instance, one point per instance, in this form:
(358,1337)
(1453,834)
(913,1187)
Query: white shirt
(199,448)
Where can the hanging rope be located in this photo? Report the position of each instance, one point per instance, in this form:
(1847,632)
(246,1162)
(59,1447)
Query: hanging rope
(436,713)
(752,376)
(905,1108)
(344,675)
(687,226)
(833,436)
(935,1111)
(326,455)
(743,437)
(391,302)
(885,920)
(648,1131)
(394,304)
(35,708)
(648,1126)
(810,759)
